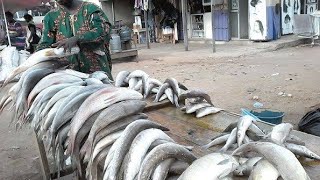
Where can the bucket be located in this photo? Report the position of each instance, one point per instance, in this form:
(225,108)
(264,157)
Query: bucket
(115,43)
(266,115)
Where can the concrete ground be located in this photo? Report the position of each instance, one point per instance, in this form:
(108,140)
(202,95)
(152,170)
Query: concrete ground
(232,76)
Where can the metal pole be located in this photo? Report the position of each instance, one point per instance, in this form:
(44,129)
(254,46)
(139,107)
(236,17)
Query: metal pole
(113,13)
(213,28)
(184,23)
(5,21)
(146,27)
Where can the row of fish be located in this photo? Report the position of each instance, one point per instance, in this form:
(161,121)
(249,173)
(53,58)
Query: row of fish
(99,127)
(268,155)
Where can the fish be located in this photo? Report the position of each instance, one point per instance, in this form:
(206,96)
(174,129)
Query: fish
(133,82)
(138,86)
(163,97)
(194,107)
(37,57)
(162,170)
(217,141)
(139,148)
(231,140)
(213,166)
(302,151)
(52,79)
(120,124)
(174,85)
(74,73)
(151,84)
(294,140)
(281,158)
(195,94)
(246,168)
(169,94)
(27,86)
(120,79)
(59,95)
(243,125)
(101,75)
(178,167)
(99,100)
(264,170)
(207,111)
(160,153)
(70,107)
(137,74)
(102,144)
(93,81)
(97,163)
(161,91)
(47,123)
(122,145)
(114,113)
(280,132)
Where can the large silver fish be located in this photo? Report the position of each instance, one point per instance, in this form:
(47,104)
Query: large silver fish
(99,100)
(210,167)
(120,79)
(122,145)
(245,168)
(231,140)
(39,56)
(139,148)
(280,132)
(217,141)
(302,151)
(264,170)
(243,125)
(195,94)
(162,170)
(207,111)
(283,160)
(160,153)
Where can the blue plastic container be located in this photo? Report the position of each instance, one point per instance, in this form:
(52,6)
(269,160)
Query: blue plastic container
(270,116)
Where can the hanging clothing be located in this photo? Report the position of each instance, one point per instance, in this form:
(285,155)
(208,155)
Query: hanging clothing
(138,4)
(91,26)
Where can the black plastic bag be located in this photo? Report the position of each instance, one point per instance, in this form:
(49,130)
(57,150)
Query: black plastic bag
(310,123)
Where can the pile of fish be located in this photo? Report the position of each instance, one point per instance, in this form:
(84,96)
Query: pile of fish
(10,58)
(266,156)
(84,118)
(142,82)
(199,102)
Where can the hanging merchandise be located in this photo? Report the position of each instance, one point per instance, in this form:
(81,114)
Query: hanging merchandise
(287,16)
(297,7)
(145,5)
(138,4)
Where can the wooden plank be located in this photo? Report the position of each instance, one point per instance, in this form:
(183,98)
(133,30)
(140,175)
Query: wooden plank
(43,158)
(188,130)
(125,53)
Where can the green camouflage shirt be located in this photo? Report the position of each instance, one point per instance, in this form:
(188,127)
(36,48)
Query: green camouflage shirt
(91,26)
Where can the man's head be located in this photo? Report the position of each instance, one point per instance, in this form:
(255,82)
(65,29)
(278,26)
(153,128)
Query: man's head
(28,17)
(66,3)
(9,16)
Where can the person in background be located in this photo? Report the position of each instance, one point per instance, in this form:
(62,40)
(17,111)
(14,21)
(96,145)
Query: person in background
(79,23)
(32,37)
(15,32)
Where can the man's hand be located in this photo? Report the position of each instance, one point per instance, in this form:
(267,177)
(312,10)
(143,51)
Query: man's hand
(67,44)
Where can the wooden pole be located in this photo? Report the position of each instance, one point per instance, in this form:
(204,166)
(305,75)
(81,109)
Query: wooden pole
(113,13)
(213,28)
(146,27)
(184,22)
(6,23)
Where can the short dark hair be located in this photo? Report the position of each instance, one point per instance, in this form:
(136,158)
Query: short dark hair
(28,17)
(8,14)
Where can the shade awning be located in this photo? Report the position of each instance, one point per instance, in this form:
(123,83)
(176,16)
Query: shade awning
(14,5)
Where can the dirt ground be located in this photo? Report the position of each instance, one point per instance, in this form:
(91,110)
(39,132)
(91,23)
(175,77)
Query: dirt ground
(232,77)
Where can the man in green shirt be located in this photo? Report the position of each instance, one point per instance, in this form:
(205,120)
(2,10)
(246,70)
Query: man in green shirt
(84,24)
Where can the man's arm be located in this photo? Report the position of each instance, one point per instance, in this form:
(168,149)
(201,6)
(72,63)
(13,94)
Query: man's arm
(48,35)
